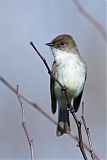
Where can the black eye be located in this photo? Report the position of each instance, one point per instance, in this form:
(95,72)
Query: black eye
(62,43)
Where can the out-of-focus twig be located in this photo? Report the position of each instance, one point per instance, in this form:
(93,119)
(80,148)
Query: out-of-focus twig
(40,110)
(91,18)
(87,132)
(30,140)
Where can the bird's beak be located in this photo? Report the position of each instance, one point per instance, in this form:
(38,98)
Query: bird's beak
(50,44)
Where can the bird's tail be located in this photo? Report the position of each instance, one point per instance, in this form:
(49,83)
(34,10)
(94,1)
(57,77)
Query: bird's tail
(63,122)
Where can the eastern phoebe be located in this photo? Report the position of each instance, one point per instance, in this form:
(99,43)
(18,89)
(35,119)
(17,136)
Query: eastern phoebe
(70,69)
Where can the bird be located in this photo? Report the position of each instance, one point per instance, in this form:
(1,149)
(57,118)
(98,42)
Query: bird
(71,70)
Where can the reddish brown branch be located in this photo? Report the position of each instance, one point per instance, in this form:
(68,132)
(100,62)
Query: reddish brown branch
(40,110)
(49,71)
(92,19)
(70,107)
(87,132)
(30,140)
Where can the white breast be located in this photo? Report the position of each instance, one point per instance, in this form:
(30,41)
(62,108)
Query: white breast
(70,71)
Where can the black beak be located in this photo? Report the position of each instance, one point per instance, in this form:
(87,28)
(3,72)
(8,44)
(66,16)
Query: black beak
(49,44)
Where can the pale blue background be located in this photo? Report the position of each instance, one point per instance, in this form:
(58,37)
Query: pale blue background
(23,21)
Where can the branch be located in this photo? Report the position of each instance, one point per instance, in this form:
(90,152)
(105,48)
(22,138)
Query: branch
(87,132)
(30,140)
(70,107)
(90,18)
(47,116)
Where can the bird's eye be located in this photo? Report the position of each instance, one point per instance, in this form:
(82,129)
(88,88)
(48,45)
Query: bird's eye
(62,43)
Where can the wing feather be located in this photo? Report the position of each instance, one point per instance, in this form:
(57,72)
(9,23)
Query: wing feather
(53,98)
(77,100)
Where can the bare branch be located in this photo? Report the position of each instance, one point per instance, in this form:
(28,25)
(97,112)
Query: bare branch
(30,140)
(87,132)
(92,19)
(70,107)
(34,105)
(49,71)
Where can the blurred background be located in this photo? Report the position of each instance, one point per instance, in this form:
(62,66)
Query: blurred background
(40,21)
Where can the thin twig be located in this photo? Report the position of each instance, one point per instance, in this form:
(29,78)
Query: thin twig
(49,71)
(30,140)
(70,107)
(92,19)
(87,132)
(40,110)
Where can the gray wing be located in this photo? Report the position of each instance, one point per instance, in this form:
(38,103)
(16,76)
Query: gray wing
(53,98)
(77,100)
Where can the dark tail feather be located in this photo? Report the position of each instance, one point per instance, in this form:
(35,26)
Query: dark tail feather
(63,123)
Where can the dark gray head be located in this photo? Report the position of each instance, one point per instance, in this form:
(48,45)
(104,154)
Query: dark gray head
(64,42)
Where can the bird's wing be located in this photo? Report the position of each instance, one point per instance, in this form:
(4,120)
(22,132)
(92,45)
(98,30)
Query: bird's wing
(53,98)
(77,100)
